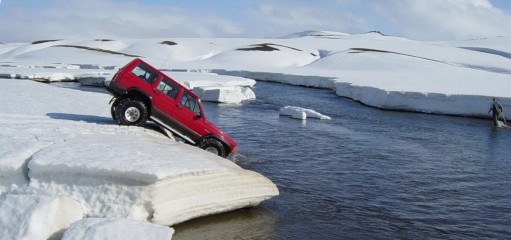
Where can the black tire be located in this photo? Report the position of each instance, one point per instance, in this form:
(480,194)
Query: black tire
(213,146)
(112,109)
(131,112)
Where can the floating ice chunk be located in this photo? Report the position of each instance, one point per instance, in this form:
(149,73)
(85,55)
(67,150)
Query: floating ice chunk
(36,217)
(298,112)
(299,115)
(228,94)
(114,228)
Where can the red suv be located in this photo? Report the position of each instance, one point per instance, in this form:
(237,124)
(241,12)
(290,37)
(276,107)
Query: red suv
(142,92)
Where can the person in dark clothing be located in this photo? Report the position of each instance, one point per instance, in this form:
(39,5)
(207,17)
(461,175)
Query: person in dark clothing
(496,109)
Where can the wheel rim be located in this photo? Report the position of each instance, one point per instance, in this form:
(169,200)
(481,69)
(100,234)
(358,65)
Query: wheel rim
(212,150)
(132,114)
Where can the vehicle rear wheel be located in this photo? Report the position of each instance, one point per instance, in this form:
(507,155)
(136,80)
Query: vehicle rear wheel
(213,146)
(131,112)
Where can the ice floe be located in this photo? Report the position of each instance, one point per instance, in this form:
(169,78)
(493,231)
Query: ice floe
(301,113)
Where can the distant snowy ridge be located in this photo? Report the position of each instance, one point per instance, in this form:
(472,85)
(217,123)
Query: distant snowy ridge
(404,74)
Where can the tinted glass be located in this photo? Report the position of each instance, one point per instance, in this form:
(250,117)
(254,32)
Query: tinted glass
(191,103)
(145,73)
(169,88)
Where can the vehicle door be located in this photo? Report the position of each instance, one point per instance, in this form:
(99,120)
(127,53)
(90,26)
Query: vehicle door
(165,93)
(189,113)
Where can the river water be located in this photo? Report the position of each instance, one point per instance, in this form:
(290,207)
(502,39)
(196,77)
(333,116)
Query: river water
(365,174)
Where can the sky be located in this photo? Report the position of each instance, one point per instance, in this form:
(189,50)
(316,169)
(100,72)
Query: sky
(424,20)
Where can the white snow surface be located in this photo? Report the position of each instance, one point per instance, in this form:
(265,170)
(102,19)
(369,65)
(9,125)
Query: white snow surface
(301,113)
(62,142)
(116,229)
(36,217)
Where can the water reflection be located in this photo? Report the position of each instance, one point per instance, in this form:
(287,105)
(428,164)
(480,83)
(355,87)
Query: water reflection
(250,223)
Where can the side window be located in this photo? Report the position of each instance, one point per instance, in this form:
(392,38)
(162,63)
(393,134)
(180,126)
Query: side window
(191,103)
(145,73)
(169,88)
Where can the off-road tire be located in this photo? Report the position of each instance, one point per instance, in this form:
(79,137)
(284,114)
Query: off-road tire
(131,112)
(213,146)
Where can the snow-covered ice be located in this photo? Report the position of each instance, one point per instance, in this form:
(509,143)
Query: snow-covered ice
(63,142)
(301,113)
(36,217)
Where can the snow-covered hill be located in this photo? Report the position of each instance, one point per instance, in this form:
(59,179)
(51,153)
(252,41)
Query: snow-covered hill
(381,71)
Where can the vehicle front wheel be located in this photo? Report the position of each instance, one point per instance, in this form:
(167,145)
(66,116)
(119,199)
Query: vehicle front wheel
(213,146)
(131,112)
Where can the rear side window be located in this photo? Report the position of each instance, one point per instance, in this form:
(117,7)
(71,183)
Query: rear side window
(191,103)
(145,73)
(169,88)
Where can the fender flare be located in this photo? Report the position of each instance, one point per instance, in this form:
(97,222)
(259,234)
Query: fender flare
(137,93)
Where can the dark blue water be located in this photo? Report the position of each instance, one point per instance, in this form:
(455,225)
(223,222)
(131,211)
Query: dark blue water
(365,174)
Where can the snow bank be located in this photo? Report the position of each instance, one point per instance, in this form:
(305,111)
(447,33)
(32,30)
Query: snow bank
(145,177)
(301,113)
(36,217)
(63,142)
(116,228)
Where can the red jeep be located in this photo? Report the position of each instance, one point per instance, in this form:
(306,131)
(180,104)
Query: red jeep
(142,92)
